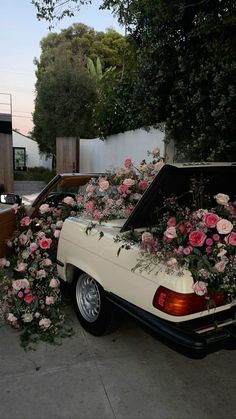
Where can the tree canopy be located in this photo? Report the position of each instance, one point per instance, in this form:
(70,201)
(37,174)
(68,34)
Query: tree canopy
(66,92)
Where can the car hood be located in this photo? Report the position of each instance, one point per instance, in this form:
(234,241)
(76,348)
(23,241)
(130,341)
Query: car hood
(175,180)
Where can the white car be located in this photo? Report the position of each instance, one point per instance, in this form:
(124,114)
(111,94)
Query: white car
(103,281)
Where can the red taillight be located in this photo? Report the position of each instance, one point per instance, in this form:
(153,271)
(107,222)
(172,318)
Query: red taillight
(178,304)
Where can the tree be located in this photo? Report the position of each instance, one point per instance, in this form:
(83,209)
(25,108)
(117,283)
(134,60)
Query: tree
(51,10)
(66,93)
(185,73)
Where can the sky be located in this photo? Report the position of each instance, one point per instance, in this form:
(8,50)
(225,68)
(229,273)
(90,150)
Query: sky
(21,34)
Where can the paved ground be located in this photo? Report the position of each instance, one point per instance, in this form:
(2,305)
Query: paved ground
(128,374)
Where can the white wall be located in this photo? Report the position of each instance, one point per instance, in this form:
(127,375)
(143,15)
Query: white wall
(34,158)
(98,156)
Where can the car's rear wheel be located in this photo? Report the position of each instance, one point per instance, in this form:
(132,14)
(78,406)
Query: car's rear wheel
(97,315)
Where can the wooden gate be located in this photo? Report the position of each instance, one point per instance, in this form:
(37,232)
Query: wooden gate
(67,152)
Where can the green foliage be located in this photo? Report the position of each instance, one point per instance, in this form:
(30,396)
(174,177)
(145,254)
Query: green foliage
(66,91)
(51,10)
(35,174)
(185,73)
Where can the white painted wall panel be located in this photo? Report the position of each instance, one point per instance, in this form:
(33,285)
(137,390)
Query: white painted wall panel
(97,155)
(34,158)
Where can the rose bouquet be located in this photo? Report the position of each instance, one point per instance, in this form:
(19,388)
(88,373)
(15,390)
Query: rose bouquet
(202,240)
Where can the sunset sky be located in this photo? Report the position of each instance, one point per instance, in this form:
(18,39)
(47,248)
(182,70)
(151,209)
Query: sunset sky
(21,34)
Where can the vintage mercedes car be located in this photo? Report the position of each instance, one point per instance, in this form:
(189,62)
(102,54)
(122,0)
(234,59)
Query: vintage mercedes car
(67,184)
(103,283)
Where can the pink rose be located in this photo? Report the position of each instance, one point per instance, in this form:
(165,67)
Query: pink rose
(49,300)
(171,222)
(170,233)
(44,208)
(23,239)
(187,250)
(69,200)
(128,182)
(25,221)
(196,238)
(57,233)
(147,237)
(20,294)
(220,266)
(54,283)
(216,237)
(45,323)
(41,273)
(97,215)
(143,184)
(210,219)
(18,284)
(89,206)
(21,266)
(232,239)
(122,189)
(90,189)
(128,163)
(11,318)
(45,243)
(79,198)
(222,199)
(4,262)
(200,288)
(47,262)
(209,242)
(103,185)
(171,262)
(224,226)
(33,247)
(28,298)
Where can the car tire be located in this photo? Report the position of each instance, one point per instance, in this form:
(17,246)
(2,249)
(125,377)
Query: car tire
(95,313)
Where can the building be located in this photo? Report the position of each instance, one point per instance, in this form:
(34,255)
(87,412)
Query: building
(26,153)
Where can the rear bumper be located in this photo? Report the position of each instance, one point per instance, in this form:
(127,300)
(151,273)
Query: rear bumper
(195,338)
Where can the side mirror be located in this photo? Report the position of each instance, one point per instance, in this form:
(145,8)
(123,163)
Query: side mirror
(10,199)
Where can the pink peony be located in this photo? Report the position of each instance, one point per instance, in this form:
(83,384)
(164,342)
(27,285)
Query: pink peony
(97,215)
(25,221)
(210,219)
(79,198)
(200,288)
(44,208)
(45,323)
(232,238)
(196,238)
(128,163)
(18,284)
(45,243)
(47,262)
(224,226)
(222,199)
(69,200)
(129,182)
(170,233)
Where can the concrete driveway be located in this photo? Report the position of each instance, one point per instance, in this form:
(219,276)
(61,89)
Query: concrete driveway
(128,374)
